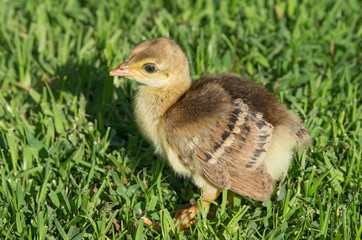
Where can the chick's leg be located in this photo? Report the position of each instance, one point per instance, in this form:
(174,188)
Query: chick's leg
(208,192)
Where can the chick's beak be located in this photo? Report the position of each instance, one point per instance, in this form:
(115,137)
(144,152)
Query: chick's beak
(121,71)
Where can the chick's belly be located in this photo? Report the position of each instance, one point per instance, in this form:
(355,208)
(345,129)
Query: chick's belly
(176,163)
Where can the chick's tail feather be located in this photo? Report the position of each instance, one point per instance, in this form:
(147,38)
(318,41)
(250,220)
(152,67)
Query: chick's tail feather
(303,138)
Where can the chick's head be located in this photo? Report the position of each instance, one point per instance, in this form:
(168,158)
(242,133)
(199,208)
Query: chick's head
(157,63)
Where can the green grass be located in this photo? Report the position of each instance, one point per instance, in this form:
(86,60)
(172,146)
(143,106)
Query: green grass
(74,166)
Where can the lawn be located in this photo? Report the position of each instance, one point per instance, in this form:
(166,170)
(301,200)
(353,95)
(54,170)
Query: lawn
(74,166)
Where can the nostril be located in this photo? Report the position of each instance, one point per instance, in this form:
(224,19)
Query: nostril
(123,66)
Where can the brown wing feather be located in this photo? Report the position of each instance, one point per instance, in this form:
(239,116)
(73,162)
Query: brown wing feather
(227,145)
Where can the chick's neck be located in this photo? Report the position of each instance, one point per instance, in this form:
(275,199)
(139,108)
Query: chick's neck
(159,99)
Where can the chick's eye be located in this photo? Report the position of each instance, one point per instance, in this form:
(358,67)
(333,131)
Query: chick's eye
(150,68)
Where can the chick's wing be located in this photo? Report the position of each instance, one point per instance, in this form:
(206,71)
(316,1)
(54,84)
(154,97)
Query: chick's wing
(220,138)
